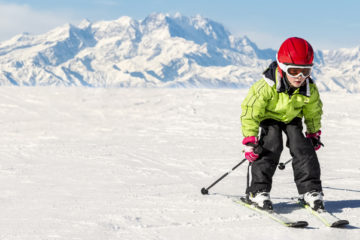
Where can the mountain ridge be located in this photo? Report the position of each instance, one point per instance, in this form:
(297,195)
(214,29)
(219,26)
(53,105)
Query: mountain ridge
(158,51)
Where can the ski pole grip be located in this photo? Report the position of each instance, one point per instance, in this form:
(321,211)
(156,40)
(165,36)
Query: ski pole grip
(258,149)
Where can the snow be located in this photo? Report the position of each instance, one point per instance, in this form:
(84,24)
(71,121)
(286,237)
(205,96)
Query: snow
(97,163)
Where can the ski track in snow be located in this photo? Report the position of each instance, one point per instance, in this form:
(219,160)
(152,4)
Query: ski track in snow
(84,163)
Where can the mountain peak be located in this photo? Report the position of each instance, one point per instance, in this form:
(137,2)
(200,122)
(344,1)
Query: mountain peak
(125,20)
(158,16)
(85,23)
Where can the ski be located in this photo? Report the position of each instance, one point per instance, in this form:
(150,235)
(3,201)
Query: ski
(324,216)
(272,214)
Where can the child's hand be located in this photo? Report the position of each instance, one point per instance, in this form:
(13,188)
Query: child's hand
(250,144)
(315,139)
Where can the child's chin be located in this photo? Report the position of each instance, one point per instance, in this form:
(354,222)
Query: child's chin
(296,84)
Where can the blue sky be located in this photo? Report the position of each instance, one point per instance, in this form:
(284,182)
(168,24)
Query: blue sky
(326,24)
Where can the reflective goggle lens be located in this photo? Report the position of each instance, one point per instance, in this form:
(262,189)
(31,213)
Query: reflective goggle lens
(293,71)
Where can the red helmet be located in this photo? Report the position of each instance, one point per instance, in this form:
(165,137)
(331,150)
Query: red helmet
(295,51)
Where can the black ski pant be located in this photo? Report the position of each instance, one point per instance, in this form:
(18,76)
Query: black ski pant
(305,162)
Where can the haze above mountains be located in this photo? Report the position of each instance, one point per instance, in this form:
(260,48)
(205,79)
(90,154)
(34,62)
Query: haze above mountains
(159,51)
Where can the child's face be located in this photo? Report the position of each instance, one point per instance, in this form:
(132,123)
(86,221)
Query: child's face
(296,81)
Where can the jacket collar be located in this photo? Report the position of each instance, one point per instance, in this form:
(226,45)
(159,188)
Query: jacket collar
(272,76)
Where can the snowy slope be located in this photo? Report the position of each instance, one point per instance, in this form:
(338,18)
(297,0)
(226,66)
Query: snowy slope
(158,51)
(85,163)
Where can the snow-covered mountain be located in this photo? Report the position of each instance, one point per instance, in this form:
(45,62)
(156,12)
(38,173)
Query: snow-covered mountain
(159,51)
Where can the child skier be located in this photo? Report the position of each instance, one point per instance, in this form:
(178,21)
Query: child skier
(277,103)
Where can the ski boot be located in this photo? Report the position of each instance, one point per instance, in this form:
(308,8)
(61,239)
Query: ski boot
(314,199)
(260,200)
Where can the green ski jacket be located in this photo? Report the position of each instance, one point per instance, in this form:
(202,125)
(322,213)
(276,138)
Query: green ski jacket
(273,98)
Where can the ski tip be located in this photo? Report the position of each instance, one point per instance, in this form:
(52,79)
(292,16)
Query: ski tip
(340,223)
(298,224)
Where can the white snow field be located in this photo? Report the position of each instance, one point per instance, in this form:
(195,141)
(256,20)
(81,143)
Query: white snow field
(93,164)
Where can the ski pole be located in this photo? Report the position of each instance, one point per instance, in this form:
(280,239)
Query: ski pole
(206,190)
(282,165)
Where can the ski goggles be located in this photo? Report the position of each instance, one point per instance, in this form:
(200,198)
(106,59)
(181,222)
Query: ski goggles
(295,70)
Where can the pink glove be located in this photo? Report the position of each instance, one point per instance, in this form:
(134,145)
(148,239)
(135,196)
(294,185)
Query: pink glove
(250,144)
(315,139)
